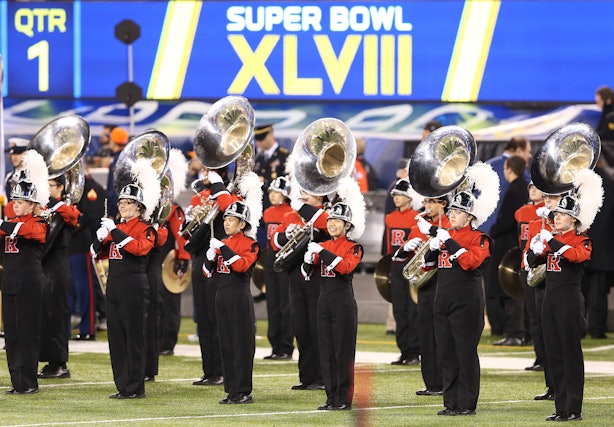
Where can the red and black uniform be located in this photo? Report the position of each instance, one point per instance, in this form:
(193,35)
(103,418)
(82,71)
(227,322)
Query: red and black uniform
(459,314)
(431,371)
(566,256)
(304,295)
(231,272)
(22,281)
(154,279)
(405,310)
(204,291)
(170,315)
(55,326)
(127,248)
(337,317)
(279,331)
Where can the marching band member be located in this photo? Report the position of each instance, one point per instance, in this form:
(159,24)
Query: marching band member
(22,280)
(435,209)
(335,261)
(398,225)
(229,264)
(566,252)
(306,208)
(55,326)
(279,330)
(459,254)
(127,245)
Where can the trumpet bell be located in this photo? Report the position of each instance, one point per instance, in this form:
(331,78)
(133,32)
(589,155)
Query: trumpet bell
(151,145)
(62,142)
(324,153)
(509,273)
(566,151)
(440,161)
(224,131)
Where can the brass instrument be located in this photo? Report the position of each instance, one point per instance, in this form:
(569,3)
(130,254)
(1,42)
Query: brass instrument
(171,282)
(224,135)
(382,278)
(536,275)
(509,273)
(324,154)
(438,167)
(101,266)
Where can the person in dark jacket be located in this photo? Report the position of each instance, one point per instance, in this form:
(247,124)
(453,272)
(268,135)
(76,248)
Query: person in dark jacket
(604,97)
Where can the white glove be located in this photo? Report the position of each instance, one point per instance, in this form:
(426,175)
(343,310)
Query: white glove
(412,244)
(545,235)
(215,243)
(102,234)
(543,212)
(435,244)
(537,247)
(289,230)
(296,204)
(211,254)
(1,221)
(314,247)
(308,258)
(424,226)
(214,177)
(442,234)
(107,223)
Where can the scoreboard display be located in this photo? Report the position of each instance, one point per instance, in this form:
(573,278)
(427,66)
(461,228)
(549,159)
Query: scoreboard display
(465,51)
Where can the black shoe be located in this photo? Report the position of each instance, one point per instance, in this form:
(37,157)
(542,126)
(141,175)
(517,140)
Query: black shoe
(166,352)
(209,381)
(241,399)
(465,412)
(448,412)
(407,362)
(270,356)
(428,392)
(84,337)
(260,297)
(554,417)
(570,417)
(390,332)
(512,342)
(315,386)
(31,390)
(325,407)
(300,386)
(536,368)
(341,407)
(119,395)
(280,356)
(149,378)
(53,372)
(548,395)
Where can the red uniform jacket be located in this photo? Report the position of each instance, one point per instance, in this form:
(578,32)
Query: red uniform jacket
(401,256)
(273,217)
(303,216)
(398,227)
(535,227)
(174,222)
(523,216)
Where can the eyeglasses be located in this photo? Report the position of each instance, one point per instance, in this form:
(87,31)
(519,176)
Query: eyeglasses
(125,202)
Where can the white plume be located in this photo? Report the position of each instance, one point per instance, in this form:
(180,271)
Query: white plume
(485,183)
(589,187)
(37,174)
(250,188)
(178,166)
(147,180)
(416,199)
(349,192)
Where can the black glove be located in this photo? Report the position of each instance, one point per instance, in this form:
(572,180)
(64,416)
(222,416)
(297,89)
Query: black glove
(181,265)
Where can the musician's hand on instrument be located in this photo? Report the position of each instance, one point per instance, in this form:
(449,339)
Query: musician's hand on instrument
(545,235)
(215,243)
(537,247)
(211,254)
(108,223)
(543,212)
(314,247)
(289,230)
(424,226)
(308,258)
(443,234)
(102,234)
(435,244)
(214,177)
(180,267)
(412,244)
(296,204)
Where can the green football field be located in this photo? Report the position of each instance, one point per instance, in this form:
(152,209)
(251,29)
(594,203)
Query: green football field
(385,394)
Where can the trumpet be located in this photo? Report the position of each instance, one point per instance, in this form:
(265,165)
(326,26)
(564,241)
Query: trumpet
(413,271)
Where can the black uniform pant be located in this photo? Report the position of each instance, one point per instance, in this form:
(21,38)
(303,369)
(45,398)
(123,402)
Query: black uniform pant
(459,322)
(431,371)
(596,286)
(304,307)
(538,336)
(563,322)
(152,335)
(170,319)
(338,326)
(405,312)
(126,306)
(21,315)
(55,327)
(204,291)
(236,324)
(279,330)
